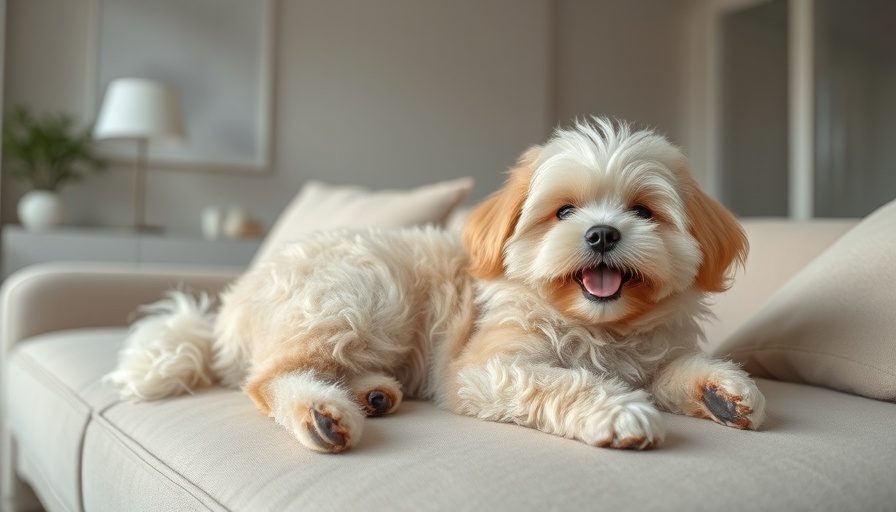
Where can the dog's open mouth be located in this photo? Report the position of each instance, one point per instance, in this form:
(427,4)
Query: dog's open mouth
(602,283)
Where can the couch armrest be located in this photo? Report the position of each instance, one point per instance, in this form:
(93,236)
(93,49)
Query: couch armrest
(54,296)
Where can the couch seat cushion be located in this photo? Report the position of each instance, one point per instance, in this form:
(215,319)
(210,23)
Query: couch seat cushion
(52,388)
(820,450)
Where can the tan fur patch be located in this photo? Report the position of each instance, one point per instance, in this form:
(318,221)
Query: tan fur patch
(721,238)
(257,385)
(492,222)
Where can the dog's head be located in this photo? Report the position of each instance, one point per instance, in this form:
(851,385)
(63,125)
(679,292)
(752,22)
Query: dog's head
(604,223)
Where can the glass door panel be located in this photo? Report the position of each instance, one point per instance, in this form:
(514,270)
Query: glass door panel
(855,96)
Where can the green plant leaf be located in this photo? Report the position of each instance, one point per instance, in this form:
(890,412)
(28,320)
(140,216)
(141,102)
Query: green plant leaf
(47,151)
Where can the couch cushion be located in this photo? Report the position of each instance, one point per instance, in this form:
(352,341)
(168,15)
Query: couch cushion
(833,323)
(321,206)
(819,450)
(52,388)
(813,455)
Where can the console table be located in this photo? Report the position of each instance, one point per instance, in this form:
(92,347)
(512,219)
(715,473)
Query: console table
(22,248)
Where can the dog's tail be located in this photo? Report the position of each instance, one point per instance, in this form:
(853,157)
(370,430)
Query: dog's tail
(169,351)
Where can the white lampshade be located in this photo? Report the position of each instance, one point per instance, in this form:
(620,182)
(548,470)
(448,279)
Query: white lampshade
(137,108)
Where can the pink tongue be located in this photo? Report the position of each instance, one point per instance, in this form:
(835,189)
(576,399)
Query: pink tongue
(602,281)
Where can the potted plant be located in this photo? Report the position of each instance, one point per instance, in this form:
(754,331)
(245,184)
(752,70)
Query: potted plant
(47,152)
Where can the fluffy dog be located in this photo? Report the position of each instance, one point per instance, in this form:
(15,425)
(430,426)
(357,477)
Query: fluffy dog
(570,304)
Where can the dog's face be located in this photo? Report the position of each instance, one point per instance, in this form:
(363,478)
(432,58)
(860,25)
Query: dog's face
(604,223)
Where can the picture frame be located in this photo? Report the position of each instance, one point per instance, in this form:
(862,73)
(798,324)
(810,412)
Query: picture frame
(218,55)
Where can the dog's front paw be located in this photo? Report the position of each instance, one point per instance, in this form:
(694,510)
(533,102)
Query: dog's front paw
(635,425)
(733,400)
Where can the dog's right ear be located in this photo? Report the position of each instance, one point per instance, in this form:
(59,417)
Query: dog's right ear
(492,222)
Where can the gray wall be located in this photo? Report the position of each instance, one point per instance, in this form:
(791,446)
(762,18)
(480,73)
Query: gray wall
(625,59)
(393,93)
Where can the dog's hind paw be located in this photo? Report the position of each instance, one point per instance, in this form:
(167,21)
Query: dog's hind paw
(378,394)
(326,431)
(322,415)
(326,428)
(378,403)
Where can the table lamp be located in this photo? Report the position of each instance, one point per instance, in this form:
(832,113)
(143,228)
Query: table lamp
(145,111)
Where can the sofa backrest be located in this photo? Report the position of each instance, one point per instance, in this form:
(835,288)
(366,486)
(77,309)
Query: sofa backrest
(779,248)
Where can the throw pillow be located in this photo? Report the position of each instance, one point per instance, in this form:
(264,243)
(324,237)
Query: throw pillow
(320,206)
(834,323)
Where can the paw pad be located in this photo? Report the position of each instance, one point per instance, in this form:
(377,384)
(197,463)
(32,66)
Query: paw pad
(326,432)
(726,409)
(378,402)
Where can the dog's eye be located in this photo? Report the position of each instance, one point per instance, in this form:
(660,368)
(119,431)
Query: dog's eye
(565,211)
(642,211)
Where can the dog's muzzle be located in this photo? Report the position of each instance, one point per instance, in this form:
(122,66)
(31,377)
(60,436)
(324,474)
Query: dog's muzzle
(602,282)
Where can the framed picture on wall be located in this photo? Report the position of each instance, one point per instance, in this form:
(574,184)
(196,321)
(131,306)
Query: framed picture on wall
(217,54)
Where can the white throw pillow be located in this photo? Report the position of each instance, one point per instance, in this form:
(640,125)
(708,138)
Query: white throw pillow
(833,324)
(320,206)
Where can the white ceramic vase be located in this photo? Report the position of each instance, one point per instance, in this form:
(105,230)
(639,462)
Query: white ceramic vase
(40,209)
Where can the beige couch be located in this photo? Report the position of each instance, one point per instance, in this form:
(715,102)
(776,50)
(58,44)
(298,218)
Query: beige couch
(79,447)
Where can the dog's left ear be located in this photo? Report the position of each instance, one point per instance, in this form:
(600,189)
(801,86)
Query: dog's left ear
(492,222)
(721,238)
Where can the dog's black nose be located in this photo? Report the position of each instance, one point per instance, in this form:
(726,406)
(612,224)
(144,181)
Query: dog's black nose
(602,238)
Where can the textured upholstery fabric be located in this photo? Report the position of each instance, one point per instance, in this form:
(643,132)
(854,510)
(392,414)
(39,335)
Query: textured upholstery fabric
(779,248)
(833,323)
(215,451)
(322,206)
(54,377)
(120,477)
(48,421)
